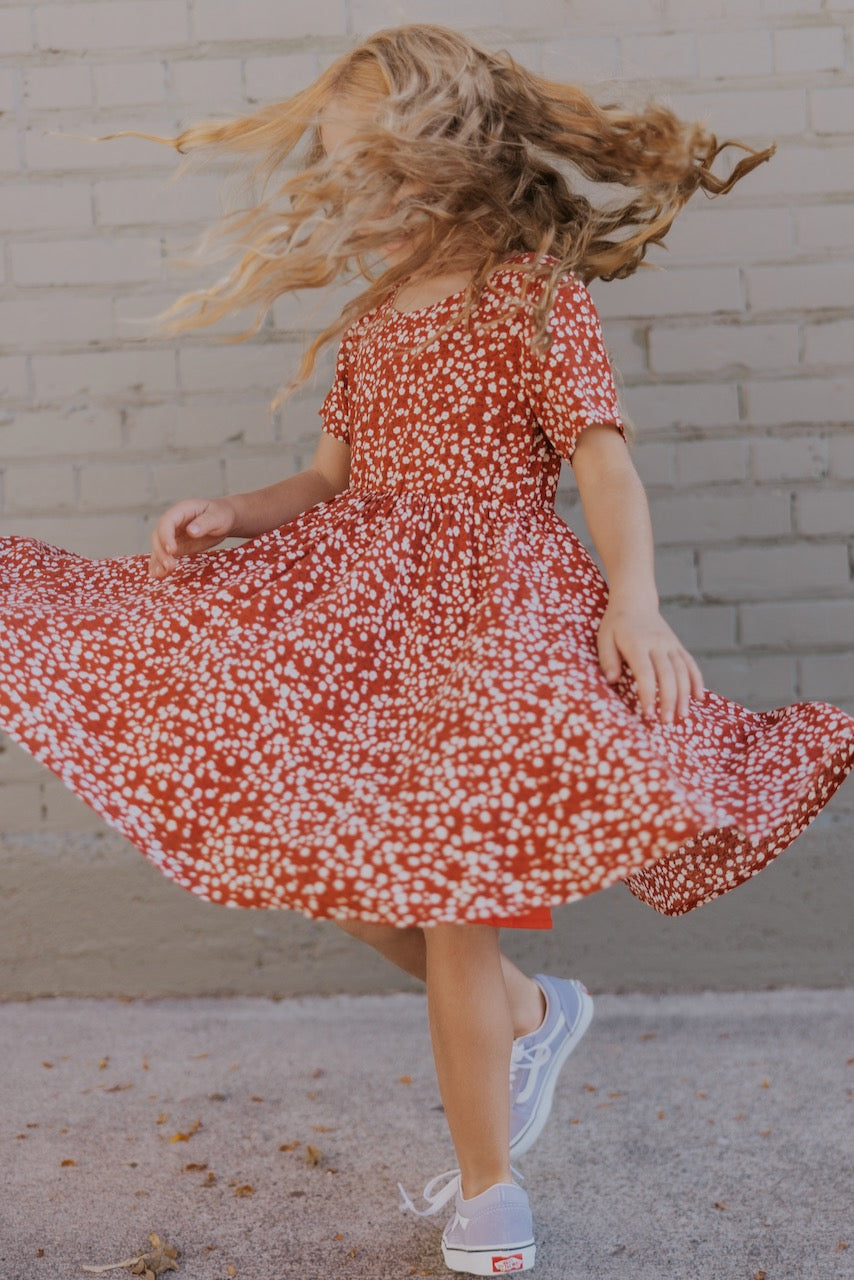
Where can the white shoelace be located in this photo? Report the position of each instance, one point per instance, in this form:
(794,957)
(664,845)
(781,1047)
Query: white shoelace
(436,1201)
(524,1058)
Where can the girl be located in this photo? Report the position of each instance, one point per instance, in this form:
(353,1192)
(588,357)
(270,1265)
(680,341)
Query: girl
(409,702)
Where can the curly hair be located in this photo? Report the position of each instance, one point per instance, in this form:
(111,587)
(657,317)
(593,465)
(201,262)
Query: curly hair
(457,154)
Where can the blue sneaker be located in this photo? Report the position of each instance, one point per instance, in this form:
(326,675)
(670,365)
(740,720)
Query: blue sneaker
(490,1234)
(536,1058)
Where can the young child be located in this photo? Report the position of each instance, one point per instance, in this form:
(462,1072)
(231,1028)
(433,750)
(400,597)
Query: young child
(409,702)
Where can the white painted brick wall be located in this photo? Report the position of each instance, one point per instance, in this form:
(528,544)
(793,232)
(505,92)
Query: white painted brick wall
(734,356)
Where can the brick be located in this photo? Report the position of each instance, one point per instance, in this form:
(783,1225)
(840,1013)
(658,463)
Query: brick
(710,461)
(70,86)
(797,623)
(723,54)
(759,116)
(826,677)
(268,79)
(794,400)
(38,487)
(247,366)
(841,456)
(15,30)
(825,511)
(198,422)
(115,487)
(585,58)
(809,49)
(722,517)
(764,572)
(9,151)
(675,573)
(156,201)
(702,628)
(94,536)
(718,347)
(832,110)
(829,342)
(653,462)
(104,373)
(208,80)
(59,316)
(14,381)
(269,20)
(800,285)
(200,477)
(669,292)
(123,260)
(10,92)
(689,404)
(671,56)
(552,15)
(826,226)
(789,459)
(121,24)
(35,206)
(34,434)
(759,682)
(248,471)
(118,84)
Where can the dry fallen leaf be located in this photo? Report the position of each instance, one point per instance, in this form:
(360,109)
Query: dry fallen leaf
(186,1136)
(158,1260)
(406,1079)
(47,1064)
(313,1155)
(231,1271)
(244,1190)
(65,1163)
(289,1146)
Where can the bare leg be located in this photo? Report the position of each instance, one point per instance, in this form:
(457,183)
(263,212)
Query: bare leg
(472,1033)
(406,949)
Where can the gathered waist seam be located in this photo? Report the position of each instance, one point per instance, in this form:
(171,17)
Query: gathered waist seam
(460,495)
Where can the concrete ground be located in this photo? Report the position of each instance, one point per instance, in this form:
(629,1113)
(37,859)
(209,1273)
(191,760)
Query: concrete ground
(696,1135)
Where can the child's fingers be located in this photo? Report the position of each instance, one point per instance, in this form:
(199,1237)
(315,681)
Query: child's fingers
(683,683)
(645,678)
(698,687)
(666,682)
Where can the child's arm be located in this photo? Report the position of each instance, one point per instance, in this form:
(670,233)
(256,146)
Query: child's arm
(197,524)
(617,515)
(263,509)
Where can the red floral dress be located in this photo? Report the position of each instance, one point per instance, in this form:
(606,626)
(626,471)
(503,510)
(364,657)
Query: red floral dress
(391,707)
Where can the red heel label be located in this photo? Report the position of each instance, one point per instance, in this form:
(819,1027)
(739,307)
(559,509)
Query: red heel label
(507,1262)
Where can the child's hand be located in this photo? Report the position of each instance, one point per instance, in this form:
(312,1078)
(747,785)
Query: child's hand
(193,524)
(654,653)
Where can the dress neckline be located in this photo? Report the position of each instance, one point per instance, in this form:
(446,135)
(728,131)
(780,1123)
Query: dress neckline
(430,306)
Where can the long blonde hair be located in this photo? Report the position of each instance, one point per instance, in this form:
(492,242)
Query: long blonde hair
(477,136)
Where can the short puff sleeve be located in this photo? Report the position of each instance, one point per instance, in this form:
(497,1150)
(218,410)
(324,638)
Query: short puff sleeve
(573,384)
(335,410)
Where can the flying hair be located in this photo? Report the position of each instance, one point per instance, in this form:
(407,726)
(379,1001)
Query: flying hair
(461,154)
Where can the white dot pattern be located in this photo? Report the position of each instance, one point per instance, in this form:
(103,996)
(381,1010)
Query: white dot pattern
(390,708)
